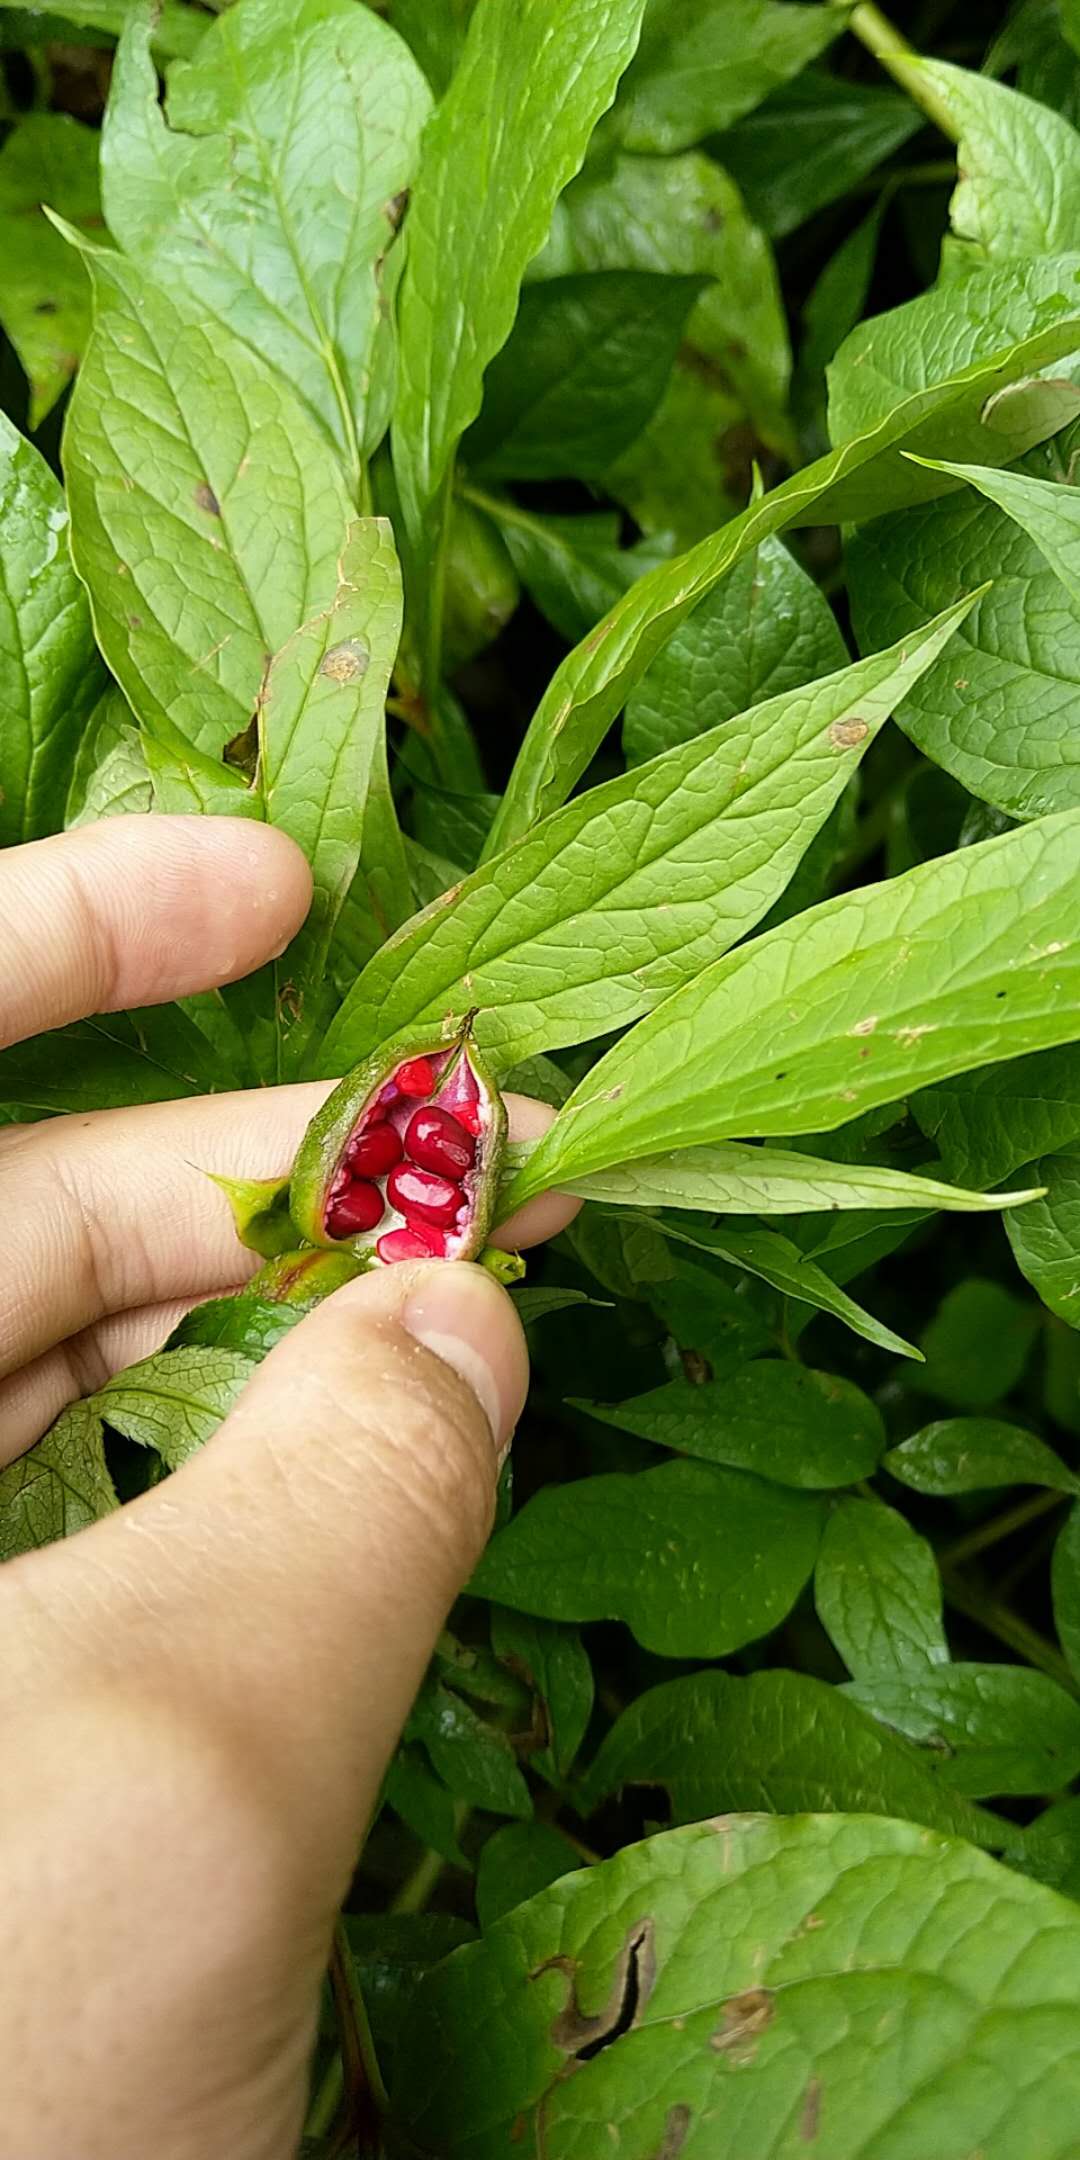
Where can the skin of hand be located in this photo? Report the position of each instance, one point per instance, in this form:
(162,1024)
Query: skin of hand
(199,1695)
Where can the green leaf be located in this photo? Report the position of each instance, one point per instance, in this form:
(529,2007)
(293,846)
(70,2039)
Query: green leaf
(573,567)
(994,1728)
(786,1423)
(953,369)
(178,30)
(109,1063)
(766,629)
(878,1593)
(45,295)
(696,1560)
(701,64)
(49,674)
(777,1260)
(208,514)
(260,1211)
(119,786)
(1065,1581)
(474,1759)
(986,1124)
(555,1663)
(1019,187)
(855,1004)
(519,1860)
(811,142)
(535,71)
(58,1486)
(722,1991)
(977,1345)
(674,860)
(268,191)
(714,1326)
(837,299)
(392,1952)
(1046,1238)
(173,1402)
(684,214)
(734,1179)
(423,1802)
(961,1455)
(585,365)
(435,31)
(780,1741)
(1049,1849)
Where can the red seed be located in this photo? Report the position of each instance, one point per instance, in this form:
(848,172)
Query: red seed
(469,1116)
(422,1193)
(374,1151)
(416,1077)
(437,1142)
(402,1245)
(359,1207)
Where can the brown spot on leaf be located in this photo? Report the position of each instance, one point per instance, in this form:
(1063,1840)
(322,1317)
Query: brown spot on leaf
(134,622)
(205,499)
(242,753)
(696,1367)
(394,210)
(848,734)
(811,2112)
(346,663)
(583,2034)
(47,307)
(743,2018)
(676,2129)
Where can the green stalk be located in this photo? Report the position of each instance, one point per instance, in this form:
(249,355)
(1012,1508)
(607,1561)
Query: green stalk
(896,55)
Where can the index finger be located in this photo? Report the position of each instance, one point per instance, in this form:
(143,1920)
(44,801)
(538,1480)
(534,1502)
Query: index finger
(137,910)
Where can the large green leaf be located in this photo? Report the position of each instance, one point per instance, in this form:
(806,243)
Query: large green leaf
(701,64)
(535,72)
(653,873)
(755,1990)
(810,142)
(784,1422)
(519,1860)
(734,1179)
(269,190)
(985,1124)
(959,962)
(45,292)
(955,371)
(696,1560)
(777,1740)
(999,715)
(977,1344)
(1046,1239)
(992,1728)
(174,1401)
(584,366)
(878,1592)
(1019,188)
(208,514)
(573,567)
(49,673)
(960,1455)
(766,628)
(59,1487)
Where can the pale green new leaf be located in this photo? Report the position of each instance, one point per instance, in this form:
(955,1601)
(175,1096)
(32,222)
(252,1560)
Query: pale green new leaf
(955,369)
(960,1455)
(695,1559)
(1018,193)
(701,64)
(1046,1241)
(208,513)
(58,1487)
(735,1179)
(633,887)
(864,1988)
(780,1741)
(960,962)
(270,191)
(780,1420)
(45,292)
(990,1728)
(536,73)
(49,672)
(878,1592)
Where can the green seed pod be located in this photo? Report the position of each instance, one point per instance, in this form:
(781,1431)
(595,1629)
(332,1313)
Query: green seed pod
(402,1162)
(255,1318)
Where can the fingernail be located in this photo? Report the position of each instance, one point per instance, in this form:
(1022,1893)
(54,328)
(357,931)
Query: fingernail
(462,1315)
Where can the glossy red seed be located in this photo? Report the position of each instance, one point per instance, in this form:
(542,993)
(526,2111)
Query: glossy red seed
(422,1193)
(359,1207)
(374,1151)
(416,1077)
(402,1245)
(438,1142)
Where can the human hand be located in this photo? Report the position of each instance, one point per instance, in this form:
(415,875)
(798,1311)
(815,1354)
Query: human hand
(200,1694)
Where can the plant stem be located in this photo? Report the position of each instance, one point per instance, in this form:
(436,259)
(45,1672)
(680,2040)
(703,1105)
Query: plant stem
(899,59)
(1001,1526)
(366,2096)
(324,2107)
(999,1621)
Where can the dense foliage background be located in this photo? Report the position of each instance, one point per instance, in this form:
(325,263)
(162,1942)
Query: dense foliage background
(792,1524)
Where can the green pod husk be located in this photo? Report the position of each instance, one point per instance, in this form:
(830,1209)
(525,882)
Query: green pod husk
(275,1299)
(323,1146)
